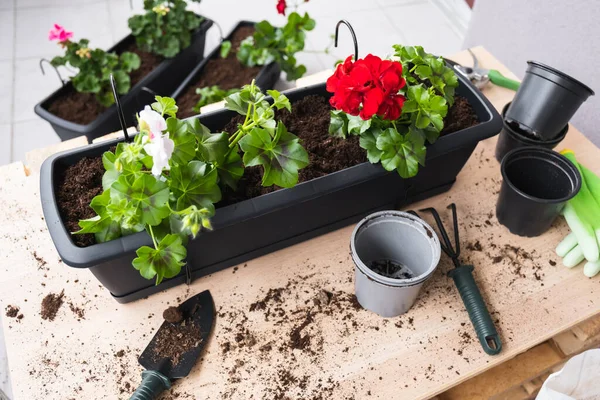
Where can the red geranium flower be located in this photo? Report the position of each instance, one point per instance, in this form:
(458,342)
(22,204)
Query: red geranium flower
(370,82)
(281,6)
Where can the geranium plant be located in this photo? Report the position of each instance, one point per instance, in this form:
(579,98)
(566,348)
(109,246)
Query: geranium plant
(94,66)
(165,28)
(279,44)
(168,179)
(395,106)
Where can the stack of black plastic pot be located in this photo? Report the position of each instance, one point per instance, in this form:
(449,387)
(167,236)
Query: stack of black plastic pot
(540,112)
(537,181)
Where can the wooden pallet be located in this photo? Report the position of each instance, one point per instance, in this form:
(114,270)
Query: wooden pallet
(522,377)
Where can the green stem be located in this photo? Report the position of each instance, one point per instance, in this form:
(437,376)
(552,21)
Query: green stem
(152,236)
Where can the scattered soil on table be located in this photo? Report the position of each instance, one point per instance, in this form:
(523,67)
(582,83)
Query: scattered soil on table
(391,269)
(41,262)
(460,116)
(51,304)
(76,188)
(309,120)
(12,311)
(173,315)
(78,311)
(475,246)
(83,108)
(173,341)
(227,73)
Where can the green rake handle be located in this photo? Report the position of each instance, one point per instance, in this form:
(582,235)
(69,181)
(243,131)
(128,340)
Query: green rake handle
(478,312)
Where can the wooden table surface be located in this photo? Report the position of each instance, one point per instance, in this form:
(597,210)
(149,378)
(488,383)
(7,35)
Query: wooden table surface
(254,352)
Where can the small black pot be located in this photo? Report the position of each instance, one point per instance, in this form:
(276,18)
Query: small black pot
(162,79)
(536,184)
(510,139)
(266,79)
(546,100)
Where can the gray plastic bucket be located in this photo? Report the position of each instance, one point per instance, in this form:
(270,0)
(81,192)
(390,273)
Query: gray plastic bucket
(402,238)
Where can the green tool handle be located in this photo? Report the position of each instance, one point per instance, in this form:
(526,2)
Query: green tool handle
(478,312)
(498,79)
(153,384)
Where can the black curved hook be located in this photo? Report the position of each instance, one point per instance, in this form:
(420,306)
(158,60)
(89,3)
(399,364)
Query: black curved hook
(337,30)
(113,85)
(42,61)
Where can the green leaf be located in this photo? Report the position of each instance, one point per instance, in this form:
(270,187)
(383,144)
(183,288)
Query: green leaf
(231,169)
(235,103)
(338,125)
(130,61)
(194,184)
(122,80)
(281,156)
(147,194)
(165,106)
(280,100)
(225,48)
(403,153)
(111,174)
(211,94)
(368,141)
(356,125)
(163,262)
(184,140)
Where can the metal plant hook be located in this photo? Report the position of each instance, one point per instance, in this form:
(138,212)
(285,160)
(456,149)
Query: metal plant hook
(42,61)
(337,30)
(215,23)
(113,85)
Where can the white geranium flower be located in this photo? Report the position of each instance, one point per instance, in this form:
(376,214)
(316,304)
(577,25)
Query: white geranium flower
(152,122)
(160,148)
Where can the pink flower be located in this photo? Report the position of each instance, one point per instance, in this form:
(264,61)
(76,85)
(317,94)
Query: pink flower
(59,33)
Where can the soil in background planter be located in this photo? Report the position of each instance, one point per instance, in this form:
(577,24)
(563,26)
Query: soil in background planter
(77,186)
(227,73)
(309,120)
(83,108)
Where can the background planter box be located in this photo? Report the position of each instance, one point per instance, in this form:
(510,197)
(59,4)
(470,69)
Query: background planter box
(163,79)
(265,80)
(283,218)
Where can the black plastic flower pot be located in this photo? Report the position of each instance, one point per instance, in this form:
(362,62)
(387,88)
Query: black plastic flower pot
(546,101)
(272,221)
(265,80)
(511,138)
(536,184)
(162,79)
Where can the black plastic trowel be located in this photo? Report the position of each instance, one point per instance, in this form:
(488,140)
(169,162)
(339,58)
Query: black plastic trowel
(161,371)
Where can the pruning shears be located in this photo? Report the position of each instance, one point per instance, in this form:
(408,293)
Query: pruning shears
(481,76)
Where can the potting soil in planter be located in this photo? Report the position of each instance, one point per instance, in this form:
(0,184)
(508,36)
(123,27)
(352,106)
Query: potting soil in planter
(227,73)
(309,120)
(83,108)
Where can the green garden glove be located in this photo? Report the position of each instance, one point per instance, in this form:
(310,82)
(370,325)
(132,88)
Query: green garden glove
(582,213)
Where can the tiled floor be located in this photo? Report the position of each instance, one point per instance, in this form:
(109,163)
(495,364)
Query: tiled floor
(23,39)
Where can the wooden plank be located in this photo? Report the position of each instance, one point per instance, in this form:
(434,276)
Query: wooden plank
(351,352)
(507,377)
(35,158)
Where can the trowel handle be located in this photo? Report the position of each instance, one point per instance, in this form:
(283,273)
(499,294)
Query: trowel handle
(478,312)
(153,384)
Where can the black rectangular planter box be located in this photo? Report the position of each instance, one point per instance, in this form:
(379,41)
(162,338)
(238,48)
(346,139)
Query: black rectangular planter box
(162,80)
(265,80)
(273,221)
